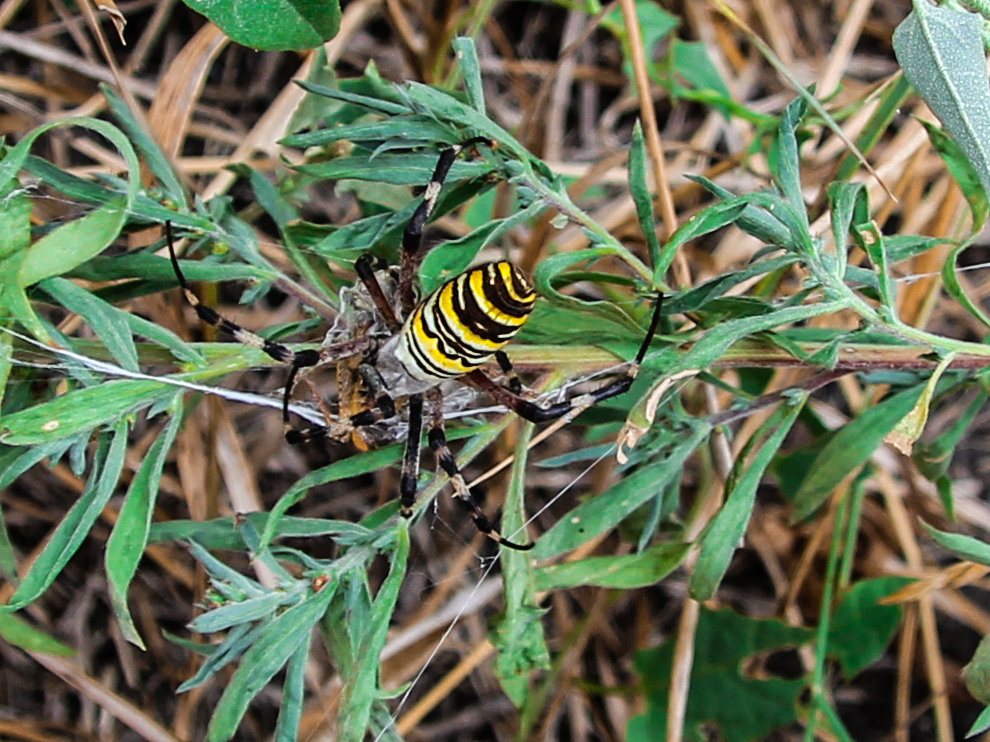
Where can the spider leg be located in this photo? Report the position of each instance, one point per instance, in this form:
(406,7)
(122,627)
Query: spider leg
(446,461)
(511,380)
(410,458)
(573,406)
(296,361)
(412,236)
(383,408)
(365,269)
(211,317)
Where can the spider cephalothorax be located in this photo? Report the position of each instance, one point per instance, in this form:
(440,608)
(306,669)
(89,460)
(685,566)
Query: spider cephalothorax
(409,351)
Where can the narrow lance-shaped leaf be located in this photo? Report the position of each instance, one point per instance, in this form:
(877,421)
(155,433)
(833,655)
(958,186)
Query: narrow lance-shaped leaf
(642,198)
(359,695)
(275,645)
(519,635)
(849,449)
(75,526)
(126,544)
(729,525)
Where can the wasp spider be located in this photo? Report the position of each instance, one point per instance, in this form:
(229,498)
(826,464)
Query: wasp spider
(410,352)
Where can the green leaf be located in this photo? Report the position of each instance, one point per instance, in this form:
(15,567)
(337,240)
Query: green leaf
(849,207)
(16,631)
(127,541)
(976,673)
(111,325)
(275,644)
(713,345)
(470,70)
(642,198)
(245,611)
(655,24)
(545,282)
(518,633)
(724,695)
(691,62)
(236,642)
(625,572)
(727,528)
(785,162)
(80,410)
(407,169)
(869,237)
(293,694)
(404,131)
(273,25)
(963,172)
(152,153)
(221,533)
(965,547)
(15,224)
(981,724)
(862,628)
(378,105)
(362,690)
(849,449)
(708,220)
(933,457)
(67,246)
(75,526)
(941,52)
(455,256)
(950,274)
(343,469)
(600,513)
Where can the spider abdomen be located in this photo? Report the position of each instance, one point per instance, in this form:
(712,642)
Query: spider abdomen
(458,327)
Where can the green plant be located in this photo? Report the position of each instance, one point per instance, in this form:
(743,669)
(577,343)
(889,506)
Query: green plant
(392,132)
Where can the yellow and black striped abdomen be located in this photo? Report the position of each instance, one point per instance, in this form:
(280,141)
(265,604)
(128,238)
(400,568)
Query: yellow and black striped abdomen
(460,325)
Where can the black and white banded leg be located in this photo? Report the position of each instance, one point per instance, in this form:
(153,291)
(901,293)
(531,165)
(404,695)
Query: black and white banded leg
(297,361)
(412,236)
(445,460)
(574,405)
